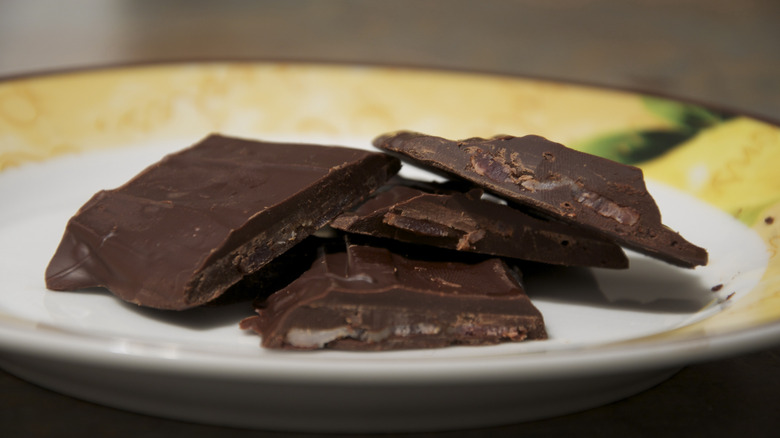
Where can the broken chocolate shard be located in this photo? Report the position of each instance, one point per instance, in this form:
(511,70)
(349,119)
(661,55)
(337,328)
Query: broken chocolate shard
(368,298)
(185,229)
(558,182)
(274,275)
(436,215)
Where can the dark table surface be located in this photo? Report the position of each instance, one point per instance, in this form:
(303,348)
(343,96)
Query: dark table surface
(716,52)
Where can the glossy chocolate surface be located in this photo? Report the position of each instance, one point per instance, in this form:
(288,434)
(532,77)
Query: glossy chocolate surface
(188,227)
(369,298)
(561,183)
(437,215)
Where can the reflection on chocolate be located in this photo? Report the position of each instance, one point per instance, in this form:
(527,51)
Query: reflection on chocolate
(368,298)
(561,183)
(188,227)
(437,215)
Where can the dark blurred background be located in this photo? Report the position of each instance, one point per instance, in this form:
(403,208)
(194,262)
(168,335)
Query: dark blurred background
(722,52)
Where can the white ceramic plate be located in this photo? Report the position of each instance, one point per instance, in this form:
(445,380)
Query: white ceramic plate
(612,333)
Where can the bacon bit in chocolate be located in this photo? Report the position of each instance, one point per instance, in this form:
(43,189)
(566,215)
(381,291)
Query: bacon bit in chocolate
(717,287)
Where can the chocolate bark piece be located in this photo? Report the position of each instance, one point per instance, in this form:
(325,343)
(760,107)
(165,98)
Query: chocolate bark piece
(582,189)
(368,298)
(185,229)
(433,214)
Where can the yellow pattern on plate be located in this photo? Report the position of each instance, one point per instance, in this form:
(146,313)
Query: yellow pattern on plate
(728,165)
(734,166)
(44,116)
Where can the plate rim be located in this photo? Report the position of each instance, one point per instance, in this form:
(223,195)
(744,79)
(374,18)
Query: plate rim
(322,62)
(634,355)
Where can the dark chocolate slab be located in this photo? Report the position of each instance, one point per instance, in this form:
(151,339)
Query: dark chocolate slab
(582,189)
(432,214)
(188,227)
(368,298)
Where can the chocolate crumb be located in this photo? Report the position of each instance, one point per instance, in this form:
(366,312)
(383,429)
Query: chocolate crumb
(717,287)
(769,220)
